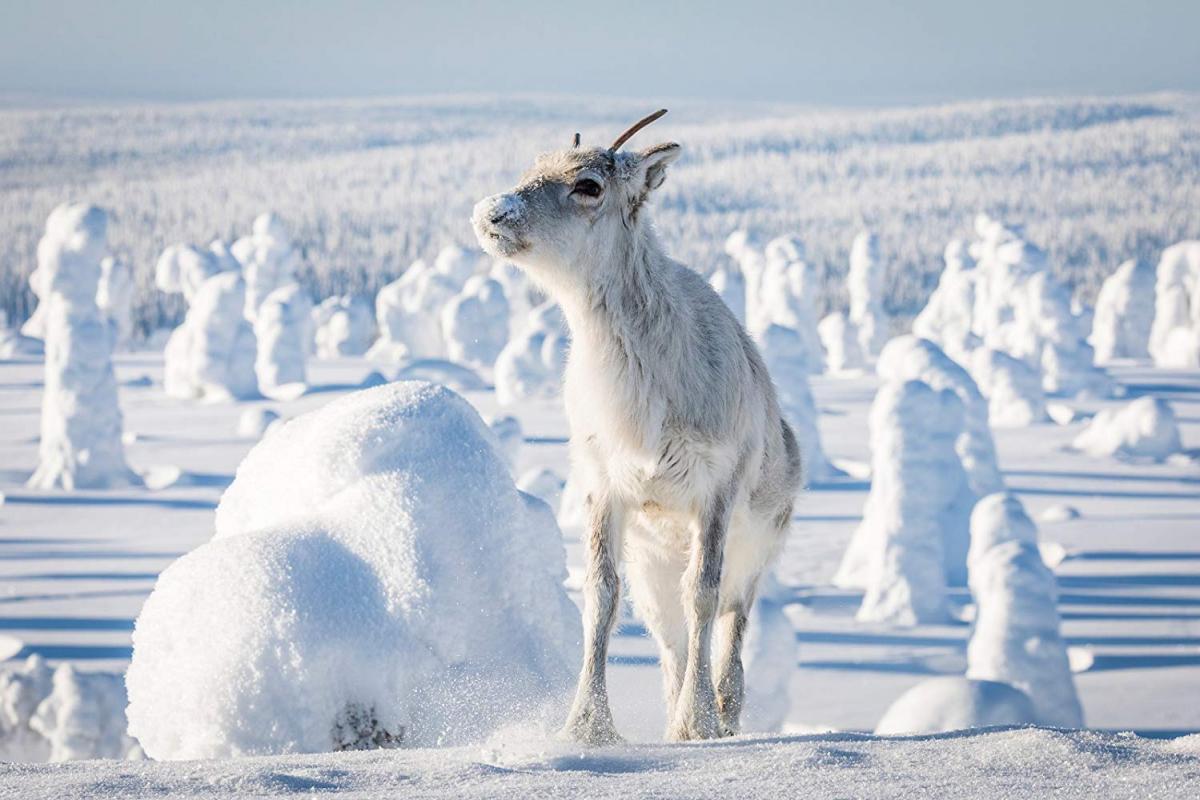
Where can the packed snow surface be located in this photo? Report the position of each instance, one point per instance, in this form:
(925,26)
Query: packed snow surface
(375,579)
(982,765)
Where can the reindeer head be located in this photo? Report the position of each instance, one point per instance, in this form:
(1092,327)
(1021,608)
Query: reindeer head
(572,204)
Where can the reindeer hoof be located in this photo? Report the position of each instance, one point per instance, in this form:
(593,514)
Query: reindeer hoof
(698,724)
(589,727)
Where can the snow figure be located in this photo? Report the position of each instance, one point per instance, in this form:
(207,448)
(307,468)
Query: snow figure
(917,481)
(408,311)
(1012,387)
(1145,428)
(864,282)
(343,326)
(283,331)
(728,282)
(414,594)
(475,323)
(458,264)
(839,340)
(946,320)
(81,419)
(1175,335)
(268,261)
(1016,637)
(1124,313)
(785,297)
(744,296)
(211,355)
(953,703)
(786,359)
(114,298)
(507,430)
(769,659)
(909,358)
(182,269)
(532,365)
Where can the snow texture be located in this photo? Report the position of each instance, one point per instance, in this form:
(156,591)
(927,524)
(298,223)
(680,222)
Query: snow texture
(268,261)
(532,364)
(1124,313)
(1144,428)
(1016,638)
(1175,334)
(839,340)
(283,330)
(952,703)
(351,598)
(475,323)
(343,325)
(786,357)
(212,354)
(864,283)
(62,714)
(80,443)
(1013,388)
(917,487)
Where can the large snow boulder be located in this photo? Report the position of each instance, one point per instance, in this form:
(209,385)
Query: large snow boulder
(914,509)
(1124,313)
(375,579)
(80,444)
(1144,428)
(1016,638)
(952,703)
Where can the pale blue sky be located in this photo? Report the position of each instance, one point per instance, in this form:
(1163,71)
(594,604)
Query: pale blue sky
(845,53)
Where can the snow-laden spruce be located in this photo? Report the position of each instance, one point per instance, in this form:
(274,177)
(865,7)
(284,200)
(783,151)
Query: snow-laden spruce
(475,323)
(283,330)
(268,261)
(62,714)
(913,358)
(946,319)
(839,340)
(1175,334)
(741,287)
(408,312)
(1145,428)
(80,446)
(211,355)
(864,284)
(769,657)
(1124,313)
(375,579)
(786,294)
(786,355)
(1016,638)
(342,325)
(532,364)
(916,505)
(1013,388)
(114,298)
(458,264)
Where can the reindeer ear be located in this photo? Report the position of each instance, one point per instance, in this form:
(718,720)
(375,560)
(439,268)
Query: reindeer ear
(652,164)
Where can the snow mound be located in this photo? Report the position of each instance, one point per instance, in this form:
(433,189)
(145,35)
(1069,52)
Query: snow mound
(447,373)
(61,714)
(342,325)
(351,598)
(1144,428)
(508,431)
(1016,638)
(1059,512)
(917,489)
(952,703)
(1124,313)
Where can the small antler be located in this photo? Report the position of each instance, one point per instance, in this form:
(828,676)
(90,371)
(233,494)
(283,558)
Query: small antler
(576,139)
(637,126)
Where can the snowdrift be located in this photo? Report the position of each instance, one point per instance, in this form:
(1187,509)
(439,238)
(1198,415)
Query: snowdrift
(375,579)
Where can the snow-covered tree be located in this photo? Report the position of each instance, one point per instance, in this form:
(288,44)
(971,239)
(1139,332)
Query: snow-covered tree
(408,311)
(786,297)
(268,261)
(532,365)
(342,325)
(839,340)
(1124,313)
(864,282)
(1012,387)
(81,419)
(114,298)
(786,357)
(946,319)
(1175,334)
(1144,428)
(282,328)
(475,323)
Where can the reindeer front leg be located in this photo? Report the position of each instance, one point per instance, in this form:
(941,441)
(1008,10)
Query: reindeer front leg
(591,720)
(695,715)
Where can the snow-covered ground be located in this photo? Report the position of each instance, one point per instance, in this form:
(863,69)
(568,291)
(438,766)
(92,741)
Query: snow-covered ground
(75,568)
(978,764)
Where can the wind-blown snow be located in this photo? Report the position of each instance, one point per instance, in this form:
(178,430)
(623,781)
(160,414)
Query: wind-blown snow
(375,578)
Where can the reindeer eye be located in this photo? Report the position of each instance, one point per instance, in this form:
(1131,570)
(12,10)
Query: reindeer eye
(587,187)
